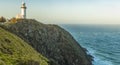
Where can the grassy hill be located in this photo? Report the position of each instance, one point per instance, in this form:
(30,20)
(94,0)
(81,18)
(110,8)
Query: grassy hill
(14,51)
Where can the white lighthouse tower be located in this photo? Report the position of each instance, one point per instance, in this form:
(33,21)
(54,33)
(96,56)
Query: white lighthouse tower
(23,10)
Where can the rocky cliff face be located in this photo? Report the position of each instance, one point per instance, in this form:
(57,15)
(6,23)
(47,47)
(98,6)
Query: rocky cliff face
(14,51)
(52,41)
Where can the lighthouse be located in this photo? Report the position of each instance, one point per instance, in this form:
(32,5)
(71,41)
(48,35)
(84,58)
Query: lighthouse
(23,10)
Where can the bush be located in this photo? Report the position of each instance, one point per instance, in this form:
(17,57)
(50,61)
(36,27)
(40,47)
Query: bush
(2,19)
(14,20)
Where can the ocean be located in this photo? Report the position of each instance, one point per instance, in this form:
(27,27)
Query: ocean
(101,41)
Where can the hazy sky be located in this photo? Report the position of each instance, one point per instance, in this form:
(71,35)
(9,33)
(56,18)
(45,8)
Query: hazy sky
(66,11)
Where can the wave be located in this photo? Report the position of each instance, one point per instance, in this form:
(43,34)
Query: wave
(97,59)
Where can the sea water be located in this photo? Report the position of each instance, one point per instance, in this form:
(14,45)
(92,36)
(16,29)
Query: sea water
(101,41)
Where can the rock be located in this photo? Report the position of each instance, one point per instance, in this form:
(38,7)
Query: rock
(51,41)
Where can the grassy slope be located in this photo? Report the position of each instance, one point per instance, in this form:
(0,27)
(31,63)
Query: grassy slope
(14,51)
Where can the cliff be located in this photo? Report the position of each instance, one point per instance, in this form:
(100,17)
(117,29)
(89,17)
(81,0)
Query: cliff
(14,51)
(51,41)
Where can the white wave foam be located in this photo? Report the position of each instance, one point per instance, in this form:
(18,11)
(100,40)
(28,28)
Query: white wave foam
(97,59)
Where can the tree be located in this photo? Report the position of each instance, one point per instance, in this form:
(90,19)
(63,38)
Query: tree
(2,19)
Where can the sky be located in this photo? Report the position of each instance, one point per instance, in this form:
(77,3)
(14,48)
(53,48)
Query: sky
(65,11)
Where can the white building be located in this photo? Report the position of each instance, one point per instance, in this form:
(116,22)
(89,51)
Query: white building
(22,15)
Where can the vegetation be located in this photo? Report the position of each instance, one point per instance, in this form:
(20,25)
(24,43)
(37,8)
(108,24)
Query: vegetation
(13,20)
(2,19)
(14,51)
(51,41)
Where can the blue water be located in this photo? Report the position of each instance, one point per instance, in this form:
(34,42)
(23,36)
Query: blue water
(102,41)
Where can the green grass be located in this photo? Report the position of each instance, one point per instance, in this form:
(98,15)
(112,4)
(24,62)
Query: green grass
(14,51)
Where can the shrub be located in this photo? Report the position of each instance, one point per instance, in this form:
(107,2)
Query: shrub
(2,19)
(14,20)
